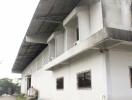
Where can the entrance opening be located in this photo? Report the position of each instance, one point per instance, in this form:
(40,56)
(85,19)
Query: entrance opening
(28,82)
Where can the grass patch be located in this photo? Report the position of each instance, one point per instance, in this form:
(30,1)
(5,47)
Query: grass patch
(20,97)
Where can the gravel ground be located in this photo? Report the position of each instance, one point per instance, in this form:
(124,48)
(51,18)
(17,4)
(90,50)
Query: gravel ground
(7,98)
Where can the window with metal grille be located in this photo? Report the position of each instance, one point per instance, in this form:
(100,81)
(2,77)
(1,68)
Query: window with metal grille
(84,79)
(60,83)
(131,77)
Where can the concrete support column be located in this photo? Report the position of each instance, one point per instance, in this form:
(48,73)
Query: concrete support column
(83,23)
(51,49)
(126,13)
(59,40)
(70,37)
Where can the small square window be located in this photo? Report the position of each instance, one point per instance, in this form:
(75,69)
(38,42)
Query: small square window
(84,79)
(131,76)
(60,83)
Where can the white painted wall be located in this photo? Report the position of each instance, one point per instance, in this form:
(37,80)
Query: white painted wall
(83,22)
(90,19)
(34,66)
(59,40)
(117,14)
(95,63)
(23,85)
(96,17)
(70,34)
(43,82)
(117,69)
(119,79)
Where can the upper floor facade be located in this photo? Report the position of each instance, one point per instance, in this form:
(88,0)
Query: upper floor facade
(91,24)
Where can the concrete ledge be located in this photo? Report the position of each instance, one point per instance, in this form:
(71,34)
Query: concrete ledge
(73,14)
(103,39)
(119,34)
(36,39)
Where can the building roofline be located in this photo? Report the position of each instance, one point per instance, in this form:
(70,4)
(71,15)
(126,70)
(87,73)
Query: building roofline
(48,15)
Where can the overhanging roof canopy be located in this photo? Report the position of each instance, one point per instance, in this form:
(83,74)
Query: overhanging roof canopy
(48,15)
(27,52)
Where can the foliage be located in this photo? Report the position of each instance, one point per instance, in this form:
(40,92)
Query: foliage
(20,97)
(8,87)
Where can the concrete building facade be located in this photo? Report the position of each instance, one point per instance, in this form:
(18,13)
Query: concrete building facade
(78,50)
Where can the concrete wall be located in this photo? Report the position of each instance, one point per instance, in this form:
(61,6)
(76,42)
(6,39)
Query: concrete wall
(59,40)
(117,14)
(119,77)
(34,66)
(24,85)
(118,62)
(89,19)
(43,82)
(95,63)
(42,79)
(96,17)
(70,35)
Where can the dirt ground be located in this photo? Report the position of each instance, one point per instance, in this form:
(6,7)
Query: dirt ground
(7,98)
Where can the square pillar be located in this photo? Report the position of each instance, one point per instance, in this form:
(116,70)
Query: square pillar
(83,23)
(70,37)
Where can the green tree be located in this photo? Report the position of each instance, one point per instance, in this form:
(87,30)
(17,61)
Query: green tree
(8,87)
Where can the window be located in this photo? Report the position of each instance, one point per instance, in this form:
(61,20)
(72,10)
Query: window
(72,33)
(60,83)
(56,44)
(28,82)
(84,79)
(131,76)
(77,33)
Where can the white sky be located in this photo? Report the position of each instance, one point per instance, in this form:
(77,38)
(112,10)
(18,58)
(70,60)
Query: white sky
(15,17)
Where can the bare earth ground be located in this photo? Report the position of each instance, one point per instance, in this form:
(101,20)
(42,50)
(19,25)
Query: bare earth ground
(7,98)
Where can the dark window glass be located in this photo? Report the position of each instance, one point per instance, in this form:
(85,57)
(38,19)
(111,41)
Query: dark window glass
(84,79)
(60,83)
(28,82)
(131,76)
(77,32)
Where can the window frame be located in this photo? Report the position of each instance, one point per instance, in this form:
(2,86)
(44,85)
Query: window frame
(77,34)
(130,75)
(84,87)
(59,79)
(28,81)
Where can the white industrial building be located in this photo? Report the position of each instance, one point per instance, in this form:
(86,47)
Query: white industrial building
(78,50)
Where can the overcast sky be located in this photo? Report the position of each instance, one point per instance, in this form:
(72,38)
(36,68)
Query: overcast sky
(15,17)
